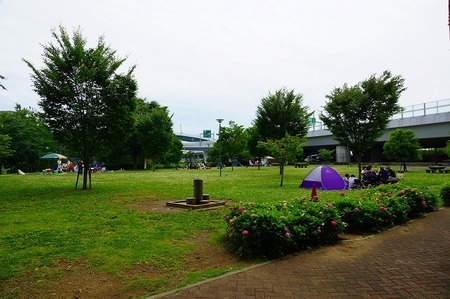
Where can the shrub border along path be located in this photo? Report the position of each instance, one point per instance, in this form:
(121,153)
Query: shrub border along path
(411,260)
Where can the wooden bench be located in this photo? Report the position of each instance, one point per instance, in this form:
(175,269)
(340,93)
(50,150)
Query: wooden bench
(301,165)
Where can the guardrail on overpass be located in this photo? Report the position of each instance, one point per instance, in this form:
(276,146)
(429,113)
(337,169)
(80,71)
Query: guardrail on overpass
(430,122)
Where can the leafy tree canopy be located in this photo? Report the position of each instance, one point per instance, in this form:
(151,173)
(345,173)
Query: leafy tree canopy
(281,113)
(232,144)
(289,148)
(29,139)
(447,149)
(357,115)
(86,104)
(402,146)
(325,154)
(153,130)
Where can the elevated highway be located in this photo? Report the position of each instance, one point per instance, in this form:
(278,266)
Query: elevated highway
(430,122)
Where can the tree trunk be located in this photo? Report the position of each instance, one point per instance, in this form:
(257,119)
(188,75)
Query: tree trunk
(282,174)
(358,160)
(86,170)
(404,167)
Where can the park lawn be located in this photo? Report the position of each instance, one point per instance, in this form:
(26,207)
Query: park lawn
(43,220)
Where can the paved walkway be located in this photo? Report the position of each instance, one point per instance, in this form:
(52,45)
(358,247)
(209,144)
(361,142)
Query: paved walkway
(410,261)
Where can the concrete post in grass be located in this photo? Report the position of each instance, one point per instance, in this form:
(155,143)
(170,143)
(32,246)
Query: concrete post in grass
(198,190)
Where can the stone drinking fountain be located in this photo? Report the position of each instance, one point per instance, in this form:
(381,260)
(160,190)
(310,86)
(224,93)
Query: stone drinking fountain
(198,201)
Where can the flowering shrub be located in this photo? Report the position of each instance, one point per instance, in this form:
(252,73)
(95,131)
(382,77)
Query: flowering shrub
(273,230)
(384,207)
(417,201)
(445,194)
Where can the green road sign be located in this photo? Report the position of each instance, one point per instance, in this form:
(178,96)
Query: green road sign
(207,133)
(312,120)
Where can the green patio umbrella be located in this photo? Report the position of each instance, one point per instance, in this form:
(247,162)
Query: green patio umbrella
(54,156)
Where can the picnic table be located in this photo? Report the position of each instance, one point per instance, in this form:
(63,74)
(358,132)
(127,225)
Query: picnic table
(439,168)
(301,165)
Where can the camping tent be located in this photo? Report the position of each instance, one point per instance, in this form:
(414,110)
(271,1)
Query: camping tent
(325,178)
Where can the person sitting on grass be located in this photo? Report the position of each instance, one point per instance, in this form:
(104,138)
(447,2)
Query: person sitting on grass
(383,175)
(392,176)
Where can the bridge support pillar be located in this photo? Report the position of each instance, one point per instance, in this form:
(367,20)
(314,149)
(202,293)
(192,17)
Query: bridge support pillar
(342,154)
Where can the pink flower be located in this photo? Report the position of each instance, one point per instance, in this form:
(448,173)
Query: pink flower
(333,223)
(382,208)
(342,193)
(315,198)
(241,208)
(287,235)
(286,229)
(377,200)
(356,209)
(424,204)
(245,232)
(231,208)
(319,231)
(227,218)
(401,192)
(328,204)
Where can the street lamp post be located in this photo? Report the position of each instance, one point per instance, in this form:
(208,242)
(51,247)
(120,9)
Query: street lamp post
(220,120)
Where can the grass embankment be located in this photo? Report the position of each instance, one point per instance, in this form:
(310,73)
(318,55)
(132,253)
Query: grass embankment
(44,220)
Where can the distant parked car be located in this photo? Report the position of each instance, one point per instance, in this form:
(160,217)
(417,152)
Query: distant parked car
(313,158)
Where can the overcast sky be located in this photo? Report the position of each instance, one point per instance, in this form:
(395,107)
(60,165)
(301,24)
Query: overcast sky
(208,59)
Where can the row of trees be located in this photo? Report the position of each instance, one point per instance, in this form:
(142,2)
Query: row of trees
(92,110)
(356,116)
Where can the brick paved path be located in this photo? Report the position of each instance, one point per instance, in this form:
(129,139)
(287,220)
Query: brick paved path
(410,261)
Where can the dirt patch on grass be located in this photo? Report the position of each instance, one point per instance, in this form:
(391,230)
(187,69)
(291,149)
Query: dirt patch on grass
(155,206)
(77,279)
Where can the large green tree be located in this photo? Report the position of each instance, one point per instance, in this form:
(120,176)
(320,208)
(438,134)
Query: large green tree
(357,115)
(232,145)
(174,153)
(281,113)
(402,146)
(447,149)
(252,144)
(5,149)
(86,103)
(287,149)
(29,139)
(153,131)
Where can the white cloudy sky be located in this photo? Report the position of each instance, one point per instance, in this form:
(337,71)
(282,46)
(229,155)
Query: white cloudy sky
(208,59)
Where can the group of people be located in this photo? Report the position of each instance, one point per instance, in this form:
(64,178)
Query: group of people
(384,176)
(369,177)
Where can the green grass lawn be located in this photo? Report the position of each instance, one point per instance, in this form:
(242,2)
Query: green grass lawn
(43,219)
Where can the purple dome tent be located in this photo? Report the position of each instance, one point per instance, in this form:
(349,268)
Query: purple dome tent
(325,178)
